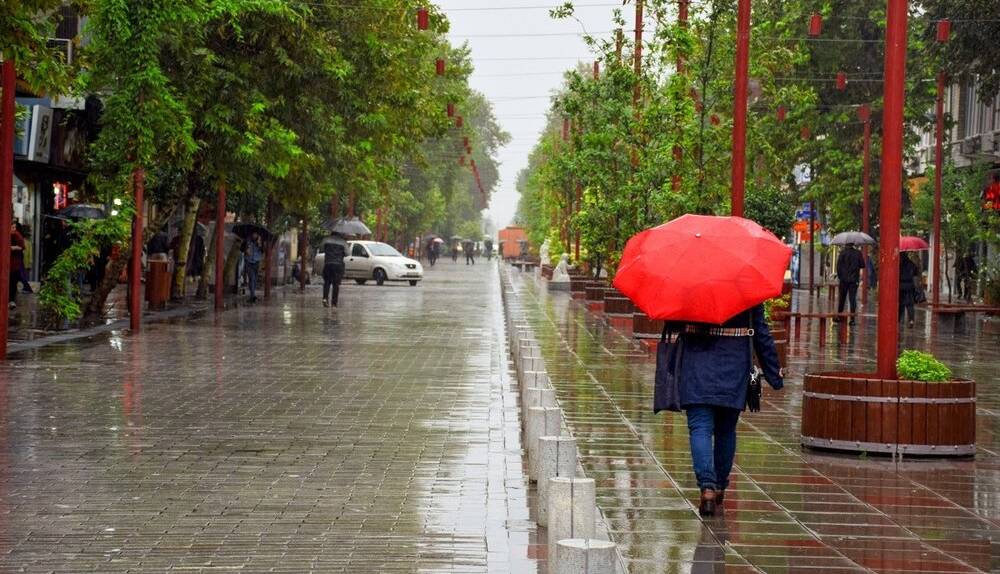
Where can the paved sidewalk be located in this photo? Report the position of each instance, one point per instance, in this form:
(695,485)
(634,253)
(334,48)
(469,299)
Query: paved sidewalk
(282,437)
(789,510)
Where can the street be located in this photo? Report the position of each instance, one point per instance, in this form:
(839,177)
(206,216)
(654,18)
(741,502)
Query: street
(280,437)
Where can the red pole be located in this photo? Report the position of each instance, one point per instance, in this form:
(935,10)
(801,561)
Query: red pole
(938,167)
(740,106)
(303,254)
(220,239)
(637,64)
(891,183)
(9,82)
(135,265)
(268,251)
(866,202)
(682,20)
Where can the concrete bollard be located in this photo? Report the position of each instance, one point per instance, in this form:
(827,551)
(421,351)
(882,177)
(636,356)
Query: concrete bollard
(530,363)
(556,458)
(542,421)
(572,510)
(539,397)
(532,380)
(584,556)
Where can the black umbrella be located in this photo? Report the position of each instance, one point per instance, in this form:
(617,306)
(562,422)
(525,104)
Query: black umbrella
(83,211)
(245,230)
(429,237)
(348,227)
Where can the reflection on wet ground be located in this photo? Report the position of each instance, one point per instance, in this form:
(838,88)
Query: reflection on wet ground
(282,437)
(788,510)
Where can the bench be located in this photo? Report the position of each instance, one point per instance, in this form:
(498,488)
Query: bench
(823,319)
(954,313)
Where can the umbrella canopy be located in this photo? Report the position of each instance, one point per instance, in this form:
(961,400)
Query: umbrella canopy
(430,237)
(245,230)
(852,237)
(348,227)
(438,240)
(911,243)
(82,211)
(456,237)
(702,269)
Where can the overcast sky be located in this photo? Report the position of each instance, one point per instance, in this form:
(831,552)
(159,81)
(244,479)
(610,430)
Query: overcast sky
(519,54)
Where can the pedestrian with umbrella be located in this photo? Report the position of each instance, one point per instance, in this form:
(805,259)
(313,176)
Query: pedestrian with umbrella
(910,291)
(850,262)
(253,254)
(469,247)
(707,277)
(334,251)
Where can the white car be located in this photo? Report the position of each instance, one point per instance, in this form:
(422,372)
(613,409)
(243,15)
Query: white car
(379,262)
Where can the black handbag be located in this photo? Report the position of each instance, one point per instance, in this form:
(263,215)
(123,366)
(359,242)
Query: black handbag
(667,391)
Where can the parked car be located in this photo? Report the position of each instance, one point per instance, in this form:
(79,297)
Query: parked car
(375,261)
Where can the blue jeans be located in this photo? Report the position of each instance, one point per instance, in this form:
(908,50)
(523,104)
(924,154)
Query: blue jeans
(252,271)
(713,443)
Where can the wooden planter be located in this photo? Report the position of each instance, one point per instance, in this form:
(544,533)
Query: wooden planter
(645,328)
(616,304)
(780,336)
(546,271)
(595,291)
(578,285)
(857,413)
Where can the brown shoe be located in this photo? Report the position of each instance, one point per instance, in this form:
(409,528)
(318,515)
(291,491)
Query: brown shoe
(708,502)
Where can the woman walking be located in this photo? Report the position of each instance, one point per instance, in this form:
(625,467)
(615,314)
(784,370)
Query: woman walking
(714,373)
(908,274)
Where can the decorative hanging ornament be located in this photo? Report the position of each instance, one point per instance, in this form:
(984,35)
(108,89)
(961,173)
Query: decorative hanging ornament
(864,113)
(439,66)
(451,110)
(805,133)
(423,18)
(465,142)
(815,25)
(461,160)
(782,111)
(943,30)
(597,70)
(715,120)
(841,81)
(459,122)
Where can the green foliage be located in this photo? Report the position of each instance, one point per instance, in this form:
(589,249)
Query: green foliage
(772,208)
(59,296)
(782,303)
(919,366)
(964,222)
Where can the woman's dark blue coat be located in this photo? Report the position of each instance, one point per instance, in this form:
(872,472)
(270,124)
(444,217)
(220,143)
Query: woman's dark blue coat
(715,370)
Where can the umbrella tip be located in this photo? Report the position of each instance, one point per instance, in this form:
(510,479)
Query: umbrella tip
(697,235)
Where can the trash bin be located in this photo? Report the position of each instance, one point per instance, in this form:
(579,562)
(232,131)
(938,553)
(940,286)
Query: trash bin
(158,284)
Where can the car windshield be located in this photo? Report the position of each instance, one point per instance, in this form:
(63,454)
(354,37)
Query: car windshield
(383,250)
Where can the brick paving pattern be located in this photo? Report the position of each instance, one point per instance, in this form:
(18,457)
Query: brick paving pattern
(283,437)
(789,510)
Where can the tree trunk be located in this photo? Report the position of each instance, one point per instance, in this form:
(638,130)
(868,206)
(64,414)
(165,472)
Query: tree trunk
(232,258)
(207,270)
(184,246)
(94,310)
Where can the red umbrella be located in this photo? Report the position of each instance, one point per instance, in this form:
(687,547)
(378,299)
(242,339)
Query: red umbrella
(702,269)
(910,243)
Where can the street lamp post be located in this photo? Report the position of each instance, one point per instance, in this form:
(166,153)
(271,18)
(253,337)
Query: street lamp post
(894,96)
(220,239)
(8,84)
(135,263)
(740,106)
(865,115)
(943,29)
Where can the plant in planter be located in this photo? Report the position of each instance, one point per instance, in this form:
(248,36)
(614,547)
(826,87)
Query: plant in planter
(991,283)
(919,366)
(777,305)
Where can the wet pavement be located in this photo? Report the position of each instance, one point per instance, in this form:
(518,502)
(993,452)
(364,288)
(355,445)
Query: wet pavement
(788,510)
(280,437)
